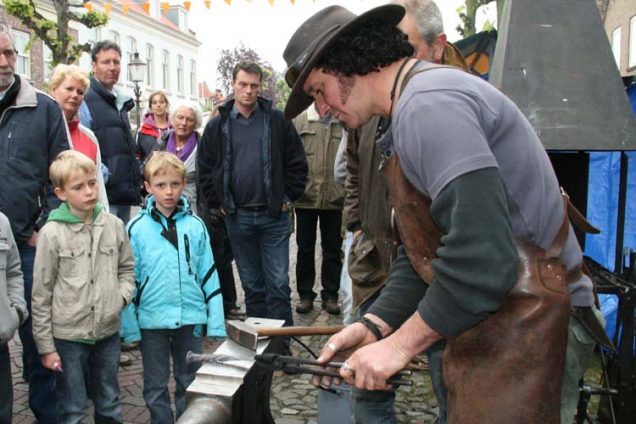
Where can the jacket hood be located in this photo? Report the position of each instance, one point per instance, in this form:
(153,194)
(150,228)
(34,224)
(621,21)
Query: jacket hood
(183,206)
(64,214)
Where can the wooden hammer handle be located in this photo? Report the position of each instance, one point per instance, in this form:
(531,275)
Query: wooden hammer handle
(299,331)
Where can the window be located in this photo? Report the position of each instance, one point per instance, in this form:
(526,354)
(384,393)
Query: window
(94,35)
(150,65)
(193,77)
(23,62)
(48,59)
(180,74)
(616,45)
(165,70)
(631,60)
(114,36)
(131,49)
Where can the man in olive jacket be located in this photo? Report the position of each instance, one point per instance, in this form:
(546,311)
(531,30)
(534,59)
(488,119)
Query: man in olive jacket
(321,201)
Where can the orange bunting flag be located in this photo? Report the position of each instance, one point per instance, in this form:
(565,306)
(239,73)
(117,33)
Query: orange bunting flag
(107,7)
(88,7)
(146,7)
(229,2)
(165,6)
(271,2)
(187,5)
(125,8)
(207,4)
(293,2)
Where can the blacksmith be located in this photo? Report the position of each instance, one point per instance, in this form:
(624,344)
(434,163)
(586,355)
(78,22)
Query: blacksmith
(481,218)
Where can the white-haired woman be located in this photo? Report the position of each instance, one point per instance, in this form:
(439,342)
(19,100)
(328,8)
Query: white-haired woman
(68,84)
(183,140)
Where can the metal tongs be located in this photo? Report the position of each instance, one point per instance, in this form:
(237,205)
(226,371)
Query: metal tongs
(294,365)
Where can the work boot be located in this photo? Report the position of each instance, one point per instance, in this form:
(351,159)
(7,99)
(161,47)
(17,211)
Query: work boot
(304,306)
(331,306)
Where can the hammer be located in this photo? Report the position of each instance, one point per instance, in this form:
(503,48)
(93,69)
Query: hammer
(247,335)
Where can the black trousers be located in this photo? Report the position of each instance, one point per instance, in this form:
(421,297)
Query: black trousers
(223,256)
(331,241)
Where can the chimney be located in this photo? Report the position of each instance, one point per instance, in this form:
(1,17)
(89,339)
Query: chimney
(554,60)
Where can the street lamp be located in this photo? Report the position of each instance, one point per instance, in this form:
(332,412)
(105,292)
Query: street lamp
(137,71)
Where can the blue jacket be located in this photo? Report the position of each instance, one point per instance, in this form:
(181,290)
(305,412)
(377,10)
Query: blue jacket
(32,133)
(175,276)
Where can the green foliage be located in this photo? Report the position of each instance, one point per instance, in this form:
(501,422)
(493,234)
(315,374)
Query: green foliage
(54,34)
(283,92)
(230,57)
(468,13)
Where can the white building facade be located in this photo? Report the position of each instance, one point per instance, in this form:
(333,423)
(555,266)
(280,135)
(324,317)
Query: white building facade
(162,40)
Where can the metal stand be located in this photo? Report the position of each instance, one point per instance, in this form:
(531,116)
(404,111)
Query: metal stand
(619,371)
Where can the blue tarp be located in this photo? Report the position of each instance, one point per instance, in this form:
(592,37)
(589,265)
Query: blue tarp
(602,211)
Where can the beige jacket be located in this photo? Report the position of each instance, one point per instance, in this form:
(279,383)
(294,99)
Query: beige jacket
(321,143)
(83,276)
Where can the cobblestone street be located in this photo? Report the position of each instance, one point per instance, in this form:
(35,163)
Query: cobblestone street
(294,398)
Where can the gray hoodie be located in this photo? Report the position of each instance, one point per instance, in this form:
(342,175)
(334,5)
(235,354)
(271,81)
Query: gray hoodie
(13,309)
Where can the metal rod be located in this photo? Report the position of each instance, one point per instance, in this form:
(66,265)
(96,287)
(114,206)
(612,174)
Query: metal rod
(620,219)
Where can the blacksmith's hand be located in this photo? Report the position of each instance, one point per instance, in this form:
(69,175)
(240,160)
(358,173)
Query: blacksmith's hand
(371,366)
(340,346)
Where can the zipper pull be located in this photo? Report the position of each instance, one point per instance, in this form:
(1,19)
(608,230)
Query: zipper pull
(186,241)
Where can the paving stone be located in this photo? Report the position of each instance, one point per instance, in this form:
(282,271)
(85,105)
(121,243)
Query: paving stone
(293,400)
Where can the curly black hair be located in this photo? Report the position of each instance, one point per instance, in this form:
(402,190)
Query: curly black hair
(365,49)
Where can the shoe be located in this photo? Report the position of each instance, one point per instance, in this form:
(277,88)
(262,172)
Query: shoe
(125,360)
(304,306)
(331,306)
(235,313)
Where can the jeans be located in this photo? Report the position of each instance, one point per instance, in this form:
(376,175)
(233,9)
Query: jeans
(101,362)
(378,406)
(156,348)
(435,354)
(6,385)
(121,211)
(330,223)
(345,283)
(261,249)
(42,394)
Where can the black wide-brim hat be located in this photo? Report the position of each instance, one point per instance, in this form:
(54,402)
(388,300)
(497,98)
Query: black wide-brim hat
(316,35)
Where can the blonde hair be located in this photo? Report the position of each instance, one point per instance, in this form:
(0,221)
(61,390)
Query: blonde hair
(160,162)
(62,71)
(66,163)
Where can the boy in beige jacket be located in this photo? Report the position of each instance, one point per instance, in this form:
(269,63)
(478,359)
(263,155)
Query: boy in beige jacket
(83,277)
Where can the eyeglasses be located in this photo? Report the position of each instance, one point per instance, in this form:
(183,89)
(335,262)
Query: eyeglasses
(9,53)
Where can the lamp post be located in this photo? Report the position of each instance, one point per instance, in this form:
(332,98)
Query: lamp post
(136,71)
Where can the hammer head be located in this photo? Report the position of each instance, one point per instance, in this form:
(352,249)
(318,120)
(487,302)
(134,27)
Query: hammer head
(241,333)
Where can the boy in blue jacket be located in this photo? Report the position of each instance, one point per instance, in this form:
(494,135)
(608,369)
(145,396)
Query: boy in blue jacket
(177,294)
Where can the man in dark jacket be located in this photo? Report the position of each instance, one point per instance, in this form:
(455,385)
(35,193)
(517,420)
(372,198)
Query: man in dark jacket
(251,165)
(32,133)
(105,111)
